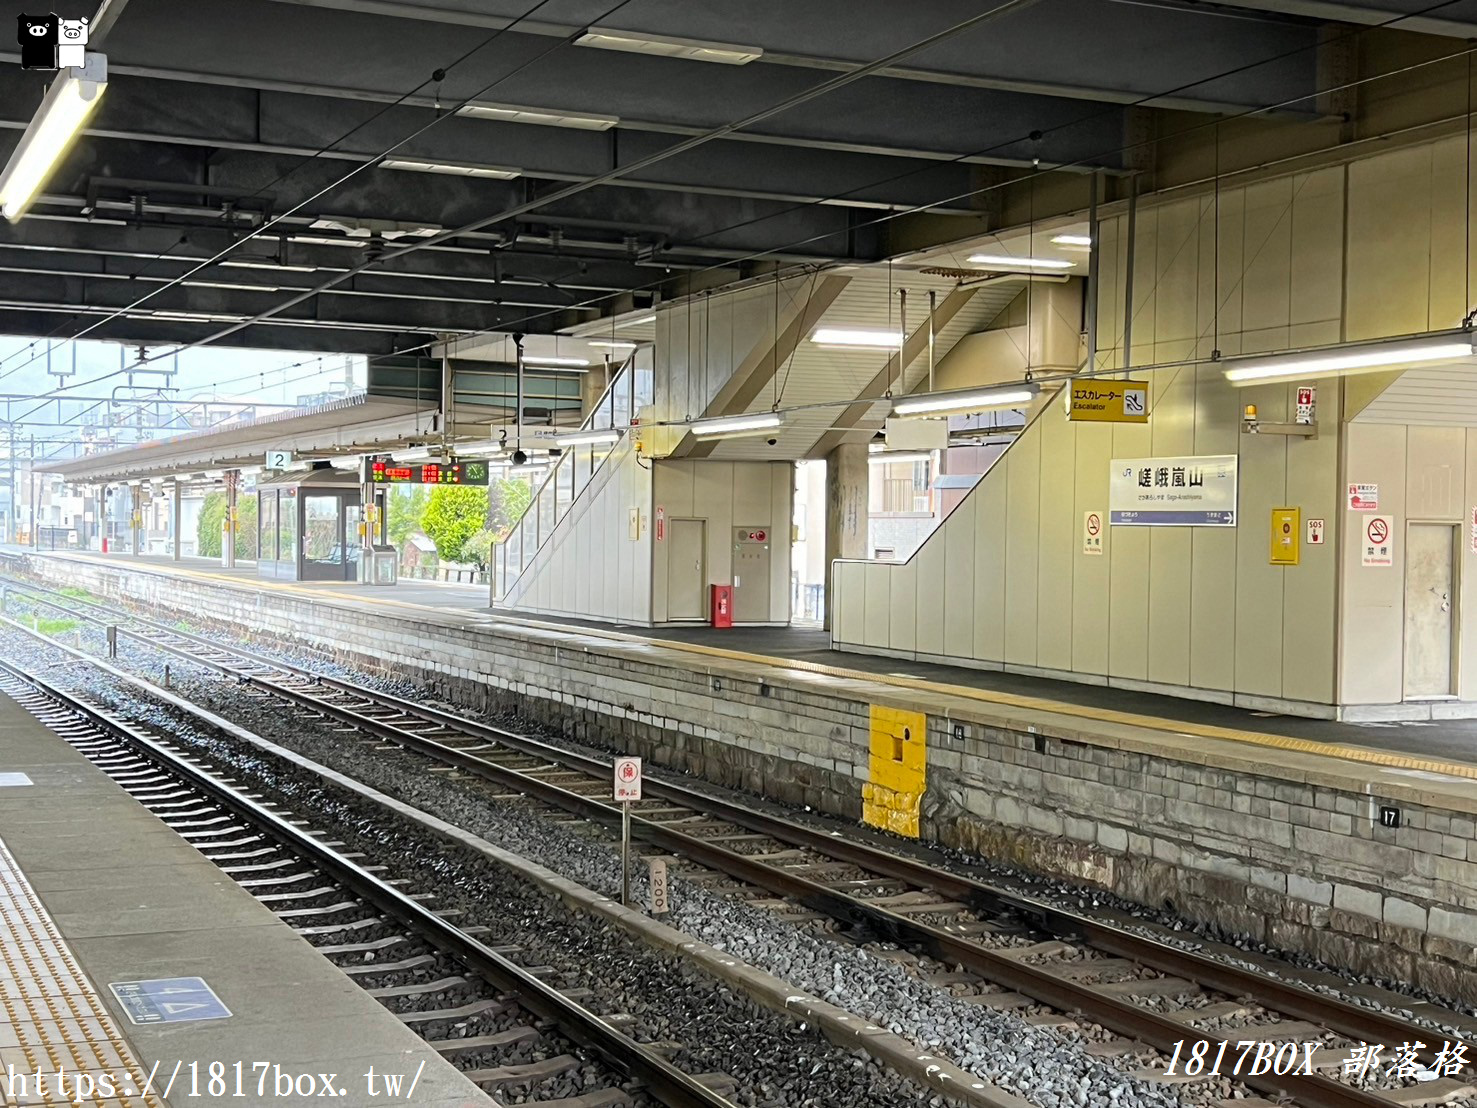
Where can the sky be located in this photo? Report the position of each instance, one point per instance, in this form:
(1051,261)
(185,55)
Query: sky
(99,370)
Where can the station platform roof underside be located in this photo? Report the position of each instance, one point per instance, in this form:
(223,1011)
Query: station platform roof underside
(359,425)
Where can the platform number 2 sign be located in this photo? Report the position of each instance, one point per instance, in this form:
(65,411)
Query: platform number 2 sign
(279,459)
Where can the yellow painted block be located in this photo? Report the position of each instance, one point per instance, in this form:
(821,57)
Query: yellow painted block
(897,769)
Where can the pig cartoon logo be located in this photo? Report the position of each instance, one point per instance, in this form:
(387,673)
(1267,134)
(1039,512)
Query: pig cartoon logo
(39,38)
(72,44)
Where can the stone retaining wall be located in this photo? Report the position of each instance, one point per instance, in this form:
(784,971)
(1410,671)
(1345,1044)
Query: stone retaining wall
(1295,857)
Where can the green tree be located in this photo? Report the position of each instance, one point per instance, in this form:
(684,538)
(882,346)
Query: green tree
(507,499)
(246,526)
(453,515)
(208,527)
(213,514)
(406,507)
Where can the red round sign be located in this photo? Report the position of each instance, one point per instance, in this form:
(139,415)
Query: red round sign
(1379,531)
(1094,525)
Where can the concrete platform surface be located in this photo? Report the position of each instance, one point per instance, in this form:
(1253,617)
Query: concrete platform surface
(95,889)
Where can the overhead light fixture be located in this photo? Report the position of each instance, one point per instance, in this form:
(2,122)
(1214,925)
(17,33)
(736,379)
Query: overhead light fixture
(1072,240)
(614,344)
(535,359)
(587,438)
(844,336)
(240,264)
(65,108)
(455,169)
(1008,262)
(884,458)
(668,47)
(735,425)
(231,285)
(512,113)
(329,240)
(196,317)
(961,401)
(637,322)
(1356,358)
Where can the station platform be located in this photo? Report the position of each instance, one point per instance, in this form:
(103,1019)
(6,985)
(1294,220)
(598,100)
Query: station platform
(1432,746)
(94,890)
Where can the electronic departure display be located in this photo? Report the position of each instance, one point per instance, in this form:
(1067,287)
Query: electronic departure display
(388,472)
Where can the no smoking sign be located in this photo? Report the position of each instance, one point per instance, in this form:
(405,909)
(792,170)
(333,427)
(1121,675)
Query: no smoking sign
(1378,547)
(1092,532)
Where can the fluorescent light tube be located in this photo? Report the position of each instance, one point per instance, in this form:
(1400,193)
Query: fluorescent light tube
(271,265)
(587,438)
(845,336)
(1072,240)
(329,240)
(230,285)
(965,400)
(1350,359)
(613,344)
(736,424)
(1020,263)
(534,359)
(512,113)
(882,458)
(637,322)
(457,169)
(668,47)
(68,103)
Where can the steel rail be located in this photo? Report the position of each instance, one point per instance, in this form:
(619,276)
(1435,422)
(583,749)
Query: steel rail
(1063,994)
(666,1082)
(1356,1021)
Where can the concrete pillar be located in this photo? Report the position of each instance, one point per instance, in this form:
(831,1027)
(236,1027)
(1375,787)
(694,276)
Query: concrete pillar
(847,494)
(174,519)
(592,388)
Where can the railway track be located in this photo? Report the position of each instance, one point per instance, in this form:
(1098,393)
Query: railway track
(509,1030)
(998,948)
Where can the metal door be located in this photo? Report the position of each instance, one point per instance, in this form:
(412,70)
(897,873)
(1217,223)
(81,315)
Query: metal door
(751,574)
(1430,610)
(687,576)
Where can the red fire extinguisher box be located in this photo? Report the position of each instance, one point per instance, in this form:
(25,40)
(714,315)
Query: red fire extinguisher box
(722,606)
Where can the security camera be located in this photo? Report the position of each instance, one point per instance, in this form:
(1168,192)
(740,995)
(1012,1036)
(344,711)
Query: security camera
(519,457)
(771,441)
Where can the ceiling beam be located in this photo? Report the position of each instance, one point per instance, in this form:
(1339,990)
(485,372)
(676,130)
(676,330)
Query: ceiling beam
(758,369)
(844,426)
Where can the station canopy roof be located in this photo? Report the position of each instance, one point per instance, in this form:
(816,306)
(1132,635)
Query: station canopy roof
(359,425)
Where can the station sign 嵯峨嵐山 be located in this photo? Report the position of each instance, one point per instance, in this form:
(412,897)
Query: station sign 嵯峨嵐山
(1173,492)
(1107,401)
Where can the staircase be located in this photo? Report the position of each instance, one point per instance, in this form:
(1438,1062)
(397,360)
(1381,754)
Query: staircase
(631,389)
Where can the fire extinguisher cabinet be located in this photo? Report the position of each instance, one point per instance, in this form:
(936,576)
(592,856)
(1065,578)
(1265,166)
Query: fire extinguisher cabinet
(722,611)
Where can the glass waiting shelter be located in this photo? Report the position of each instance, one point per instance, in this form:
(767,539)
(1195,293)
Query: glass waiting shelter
(308,526)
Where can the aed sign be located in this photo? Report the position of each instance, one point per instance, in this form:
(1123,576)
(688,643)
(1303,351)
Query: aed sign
(1286,523)
(1315,532)
(1095,401)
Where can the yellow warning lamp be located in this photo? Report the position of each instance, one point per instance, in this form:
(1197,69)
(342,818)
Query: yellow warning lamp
(1249,413)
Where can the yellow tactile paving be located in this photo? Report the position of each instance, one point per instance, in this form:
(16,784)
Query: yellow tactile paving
(52,1020)
(1385,758)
